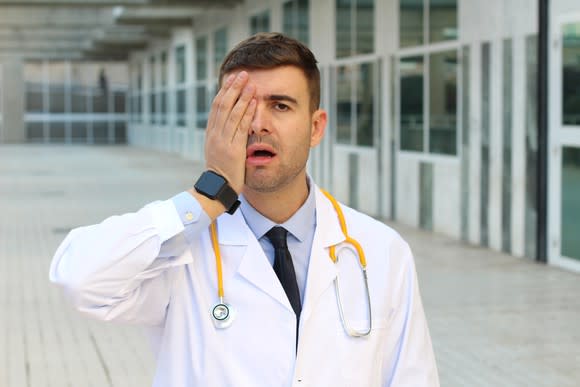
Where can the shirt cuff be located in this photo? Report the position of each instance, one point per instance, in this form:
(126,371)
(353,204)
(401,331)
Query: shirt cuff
(192,215)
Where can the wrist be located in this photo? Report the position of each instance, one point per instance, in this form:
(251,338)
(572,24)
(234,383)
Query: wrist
(215,187)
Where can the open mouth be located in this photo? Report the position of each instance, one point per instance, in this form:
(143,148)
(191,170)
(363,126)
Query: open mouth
(260,151)
(259,154)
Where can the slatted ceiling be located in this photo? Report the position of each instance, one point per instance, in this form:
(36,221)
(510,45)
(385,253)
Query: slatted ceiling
(92,29)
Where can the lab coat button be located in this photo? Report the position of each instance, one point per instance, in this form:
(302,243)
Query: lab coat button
(189,216)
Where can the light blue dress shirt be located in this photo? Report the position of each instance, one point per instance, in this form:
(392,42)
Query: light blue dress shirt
(300,228)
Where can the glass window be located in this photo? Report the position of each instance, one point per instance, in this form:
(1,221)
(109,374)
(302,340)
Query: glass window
(152,86)
(163,69)
(411,22)
(571,75)
(180,64)
(202,107)
(365,103)
(411,121)
(443,103)
(441,25)
(365,26)
(180,102)
(260,22)
(220,49)
(570,202)
(295,19)
(201,58)
(356,92)
(119,101)
(442,20)
(354,27)
(343,104)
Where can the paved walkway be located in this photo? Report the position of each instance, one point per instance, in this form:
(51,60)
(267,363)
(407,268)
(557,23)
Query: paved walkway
(495,320)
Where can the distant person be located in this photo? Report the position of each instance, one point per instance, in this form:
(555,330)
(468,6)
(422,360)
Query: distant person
(248,298)
(103,83)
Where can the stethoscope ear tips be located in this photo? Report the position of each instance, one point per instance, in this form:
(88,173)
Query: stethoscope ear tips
(222,315)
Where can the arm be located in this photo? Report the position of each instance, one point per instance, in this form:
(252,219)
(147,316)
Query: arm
(118,269)
(121,268)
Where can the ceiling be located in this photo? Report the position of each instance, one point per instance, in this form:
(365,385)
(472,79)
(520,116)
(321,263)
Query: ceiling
(92,29)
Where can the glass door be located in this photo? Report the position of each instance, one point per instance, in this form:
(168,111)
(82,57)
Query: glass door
(565,156)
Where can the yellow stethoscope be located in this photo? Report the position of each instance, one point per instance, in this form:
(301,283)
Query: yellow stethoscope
(223,314)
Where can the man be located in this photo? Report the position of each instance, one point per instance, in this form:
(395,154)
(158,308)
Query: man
(278,320)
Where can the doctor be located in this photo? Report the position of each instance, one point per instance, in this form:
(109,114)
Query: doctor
(259,306)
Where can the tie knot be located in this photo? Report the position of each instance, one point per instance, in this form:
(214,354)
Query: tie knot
(277,235)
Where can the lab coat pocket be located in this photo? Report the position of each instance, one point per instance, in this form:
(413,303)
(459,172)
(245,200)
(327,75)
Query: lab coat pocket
(360,358)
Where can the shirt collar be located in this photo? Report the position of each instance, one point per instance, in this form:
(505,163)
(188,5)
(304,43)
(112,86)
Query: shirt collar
(299,224)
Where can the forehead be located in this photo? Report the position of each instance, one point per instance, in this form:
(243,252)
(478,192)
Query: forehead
(283,80)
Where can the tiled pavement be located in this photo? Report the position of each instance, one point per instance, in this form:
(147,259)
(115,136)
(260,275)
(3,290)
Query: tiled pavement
(495,320)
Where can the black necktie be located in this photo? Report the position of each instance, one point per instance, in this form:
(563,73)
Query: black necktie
(284,269)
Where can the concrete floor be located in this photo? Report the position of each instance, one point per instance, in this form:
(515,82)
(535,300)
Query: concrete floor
(495,320)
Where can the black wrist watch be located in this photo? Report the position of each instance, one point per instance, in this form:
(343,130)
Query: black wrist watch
(216,187)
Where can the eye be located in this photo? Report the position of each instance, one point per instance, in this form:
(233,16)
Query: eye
(281,107)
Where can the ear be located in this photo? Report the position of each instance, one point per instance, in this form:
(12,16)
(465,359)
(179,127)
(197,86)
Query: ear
(318,128)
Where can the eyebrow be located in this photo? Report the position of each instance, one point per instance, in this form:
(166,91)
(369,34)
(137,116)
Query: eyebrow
(282,97)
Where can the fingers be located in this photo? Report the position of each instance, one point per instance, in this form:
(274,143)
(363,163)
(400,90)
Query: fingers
(233,98)
(217,100)
(243,126)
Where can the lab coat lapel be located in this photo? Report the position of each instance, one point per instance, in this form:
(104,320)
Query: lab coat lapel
(321,270)
(242,252)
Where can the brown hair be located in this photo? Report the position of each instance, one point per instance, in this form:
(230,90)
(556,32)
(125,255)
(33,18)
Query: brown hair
(267,50)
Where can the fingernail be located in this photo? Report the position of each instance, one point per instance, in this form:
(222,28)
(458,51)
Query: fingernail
(230,78)
(242,75)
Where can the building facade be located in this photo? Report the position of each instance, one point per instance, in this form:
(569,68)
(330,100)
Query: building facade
(433,108)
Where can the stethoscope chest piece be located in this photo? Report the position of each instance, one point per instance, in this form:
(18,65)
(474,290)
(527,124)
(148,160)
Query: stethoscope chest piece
(222,315)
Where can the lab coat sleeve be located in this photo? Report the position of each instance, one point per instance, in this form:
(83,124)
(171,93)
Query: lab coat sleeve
(415,361)
(120,269)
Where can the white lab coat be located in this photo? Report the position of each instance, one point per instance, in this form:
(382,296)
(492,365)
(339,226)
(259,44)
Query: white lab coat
(118,270)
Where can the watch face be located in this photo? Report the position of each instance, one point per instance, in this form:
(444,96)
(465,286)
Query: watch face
(210,183)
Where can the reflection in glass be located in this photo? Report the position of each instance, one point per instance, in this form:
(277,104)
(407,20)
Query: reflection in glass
(163,107)
(443,103)
(201,59)
(411,23)
(180,104)
(100,132)
(35,131)
(365,26)
(365,101)
(57,98)
(411,72)
(570,202)
(152,108)
(343,104)
(57,131)
(442,20)
(344,28)
(295,19)
(202,107)
(260,22)
(531,93)
(119,101)
(571,75)
(79,132)
(179,64)
(485,135)
(34,99)
(507,146)
(220,49)
(120,132)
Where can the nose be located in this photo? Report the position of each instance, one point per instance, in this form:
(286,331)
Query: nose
(261,123)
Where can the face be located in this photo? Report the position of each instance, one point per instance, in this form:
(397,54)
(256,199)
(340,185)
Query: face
(283,130)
